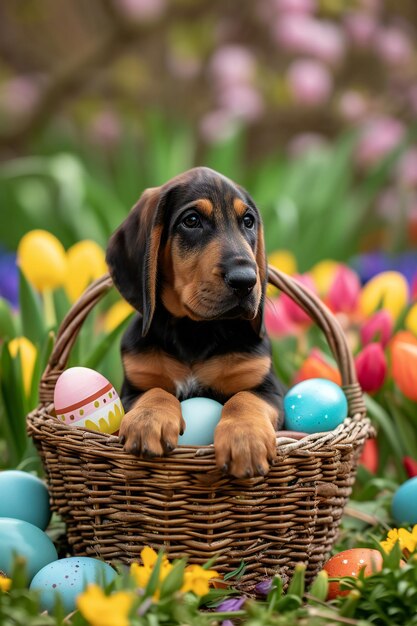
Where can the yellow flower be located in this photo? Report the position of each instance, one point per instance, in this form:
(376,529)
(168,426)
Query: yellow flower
(5,583)
(387,290)
(410,321)
(27,351)
(323,274)
(101,610)
(196,579)
(142,573)
(42,259)
(283,260)
(406,539)
(116,314)
(86,262)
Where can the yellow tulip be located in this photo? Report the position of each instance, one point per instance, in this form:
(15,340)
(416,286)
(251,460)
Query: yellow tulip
(323,274)
(101,610)
(283,260)
(387,290)
(27,351)
(5,583)
(410,321)
(86,262)
(116,314)
(42,259)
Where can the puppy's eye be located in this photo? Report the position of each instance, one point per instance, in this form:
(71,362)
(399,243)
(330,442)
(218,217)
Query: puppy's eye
(248,221)
(192,221)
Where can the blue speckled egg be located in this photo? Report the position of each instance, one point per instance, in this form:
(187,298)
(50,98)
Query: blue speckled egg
(24,496)
(23,539)
(201,416)
(68,578)
(314,406)
(404,503)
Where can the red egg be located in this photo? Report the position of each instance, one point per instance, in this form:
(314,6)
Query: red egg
(350,563)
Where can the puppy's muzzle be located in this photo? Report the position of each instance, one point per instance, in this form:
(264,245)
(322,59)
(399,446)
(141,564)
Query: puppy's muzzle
(241,279)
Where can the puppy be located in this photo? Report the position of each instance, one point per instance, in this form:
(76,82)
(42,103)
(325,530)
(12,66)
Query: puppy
(190,258)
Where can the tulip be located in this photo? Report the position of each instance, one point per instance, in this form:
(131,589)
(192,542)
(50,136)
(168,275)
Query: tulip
(304,143)
(323,274)
(42,259)
(243,102)
(277,322)
(310,82)
(370,456)
(217,126)
(232,65)
(105,129)
(404,363)
(379,328)
(352,105)
(283,260)
(410,466)
(316,366)
(116,314)
(294,312)
(344,291)
(9,278)
(27,351)
(388,290)
(394,46)
(371,367)
(379,136)
(86,262)
(361,28)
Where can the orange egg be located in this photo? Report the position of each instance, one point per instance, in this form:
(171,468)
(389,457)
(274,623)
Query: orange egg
(350,563)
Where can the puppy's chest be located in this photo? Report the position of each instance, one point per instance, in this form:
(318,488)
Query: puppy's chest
(224,374)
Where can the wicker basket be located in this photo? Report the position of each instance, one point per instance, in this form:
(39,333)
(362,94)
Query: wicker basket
(114,503)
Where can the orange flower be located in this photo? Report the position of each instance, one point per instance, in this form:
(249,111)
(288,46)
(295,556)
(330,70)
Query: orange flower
(316,366)
(404,363)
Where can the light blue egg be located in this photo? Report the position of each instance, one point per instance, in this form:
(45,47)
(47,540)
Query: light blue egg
(314,406)
(404,503)
(201,416)
(24,496)
(67,578)
(19,538)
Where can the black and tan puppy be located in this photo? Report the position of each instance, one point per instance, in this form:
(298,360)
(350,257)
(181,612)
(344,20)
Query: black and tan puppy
(190,258)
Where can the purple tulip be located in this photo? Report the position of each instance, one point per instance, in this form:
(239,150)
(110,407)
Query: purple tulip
(370,264)
(242,102)
(231,604)
(353,106)
(361,28)
(142,10)
(379,136)
(9,278)
(394,46)
(378,327)
(310,82)
(232,65)
(302,34)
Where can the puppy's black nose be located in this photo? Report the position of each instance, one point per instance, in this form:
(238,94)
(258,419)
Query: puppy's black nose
(241,279)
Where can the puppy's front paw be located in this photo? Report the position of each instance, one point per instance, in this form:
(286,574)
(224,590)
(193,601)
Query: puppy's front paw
(244,448)
(153,426)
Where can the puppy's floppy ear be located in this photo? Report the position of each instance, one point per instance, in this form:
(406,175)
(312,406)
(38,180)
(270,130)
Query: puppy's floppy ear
(132,253)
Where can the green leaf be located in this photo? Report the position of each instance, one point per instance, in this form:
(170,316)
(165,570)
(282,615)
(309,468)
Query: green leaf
(99,351)
(297,584)
(7,323)
(237,573)
(320,586)
(173,581)
(33,326)
(153,581)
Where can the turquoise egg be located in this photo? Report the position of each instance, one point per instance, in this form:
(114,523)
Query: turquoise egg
(19,538)
(201,416)
(24,496)
(404,503)
(67,578)
(314,406)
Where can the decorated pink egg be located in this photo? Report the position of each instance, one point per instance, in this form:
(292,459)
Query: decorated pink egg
(84,398)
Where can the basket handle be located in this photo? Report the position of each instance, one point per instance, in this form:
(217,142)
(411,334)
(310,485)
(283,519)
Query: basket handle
(307,300)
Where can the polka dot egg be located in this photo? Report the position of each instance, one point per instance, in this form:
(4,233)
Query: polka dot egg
(314,406)
(84,398)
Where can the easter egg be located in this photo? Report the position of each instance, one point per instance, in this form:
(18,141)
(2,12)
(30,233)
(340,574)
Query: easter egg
(24,496)
(350,563)
(314,406)
(201,416)
(404,503)
(19,538)
(68,578)
(86,399)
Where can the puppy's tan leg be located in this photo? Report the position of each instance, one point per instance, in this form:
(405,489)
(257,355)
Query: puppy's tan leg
(152,426)
(244,439)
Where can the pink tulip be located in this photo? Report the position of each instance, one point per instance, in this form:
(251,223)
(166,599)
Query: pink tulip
(217,126)
(105,129)
(292,310)
(19,95)
(353,106)
(344,291)
(242,102)
(361,28)
(378,327)
(394,46)
(380,135)
(296,6)
(310,82)
(142,10)
(302,34)
(276,319)
(371,367)
(406,170)
(232,65)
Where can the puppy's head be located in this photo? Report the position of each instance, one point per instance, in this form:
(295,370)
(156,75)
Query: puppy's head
(195,243)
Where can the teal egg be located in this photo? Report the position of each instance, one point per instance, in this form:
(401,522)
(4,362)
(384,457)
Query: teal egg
(24,496)
(201,416)
(67,578)
(314,406)
(19,538)
(404,503)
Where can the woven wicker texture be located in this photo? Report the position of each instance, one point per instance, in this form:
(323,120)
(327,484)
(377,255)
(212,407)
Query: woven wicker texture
(114,503)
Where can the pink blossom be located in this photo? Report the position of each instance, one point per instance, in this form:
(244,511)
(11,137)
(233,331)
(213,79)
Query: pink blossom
(242,101)
(302,34)
(19,95)
(142,10)
(379,136)
(371,367)
(232,64)
(306,142)
(310,82)
(378,327)
(105,129)
(352,105)
(394,46)
(406,169)
(292,310)
(218,125)
(344,291)
(276,319)
(296,6)
(361,28)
